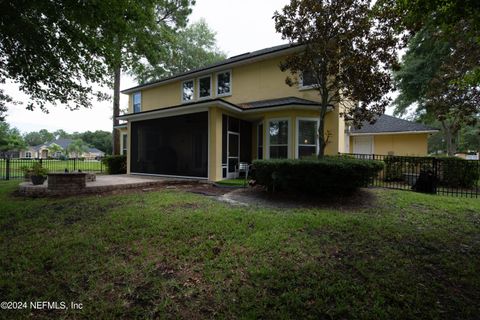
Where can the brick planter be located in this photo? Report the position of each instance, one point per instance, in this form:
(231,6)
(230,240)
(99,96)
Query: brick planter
(66,181)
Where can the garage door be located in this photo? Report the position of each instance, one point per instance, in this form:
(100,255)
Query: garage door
(176,146)
(363,145)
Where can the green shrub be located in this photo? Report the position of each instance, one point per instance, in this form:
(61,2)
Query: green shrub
(330,175)
(458,173)
(115,164)
(393,169)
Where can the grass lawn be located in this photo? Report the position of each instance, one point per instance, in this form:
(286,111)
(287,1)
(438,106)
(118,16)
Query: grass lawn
(239,182)
(171,254)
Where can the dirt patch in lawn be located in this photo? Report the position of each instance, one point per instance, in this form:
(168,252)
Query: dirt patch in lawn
(362,199)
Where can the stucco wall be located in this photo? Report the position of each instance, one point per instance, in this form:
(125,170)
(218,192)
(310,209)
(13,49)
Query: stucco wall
(399,144)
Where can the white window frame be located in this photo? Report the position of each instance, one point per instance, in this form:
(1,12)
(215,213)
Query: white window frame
(297,135)
(133,101)
(198,87)
(216,84)
(181,91)
(28,154)
(289,138)
(124,145)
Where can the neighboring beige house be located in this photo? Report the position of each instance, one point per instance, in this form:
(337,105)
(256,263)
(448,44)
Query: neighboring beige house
(42,151)
(205,122)
(390,136)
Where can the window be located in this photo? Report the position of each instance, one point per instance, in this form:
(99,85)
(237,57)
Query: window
(188,90)
(260,141)
(137,102)
(308,80)
(205,87)
(124,144)
(224,83)
(28,154)
(278,139)
(307,138)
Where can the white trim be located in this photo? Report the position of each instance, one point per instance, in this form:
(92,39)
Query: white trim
(393,132)
(198,87)
(232,175)
(230,65)
(289,138)
(297,134)
(166,175)
(231,84)
(133,101)
(181,91)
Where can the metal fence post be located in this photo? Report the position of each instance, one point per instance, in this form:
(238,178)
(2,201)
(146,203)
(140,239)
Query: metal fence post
(7,169)
(74,164)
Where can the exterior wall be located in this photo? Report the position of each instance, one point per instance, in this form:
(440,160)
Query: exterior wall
(256,81)
(399,144)
(215,145)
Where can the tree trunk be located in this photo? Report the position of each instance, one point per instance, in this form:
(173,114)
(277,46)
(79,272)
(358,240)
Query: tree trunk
(116,111)
(449,139)
(322,142)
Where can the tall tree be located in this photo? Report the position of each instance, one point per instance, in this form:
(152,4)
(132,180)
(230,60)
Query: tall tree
(146,34)
(193,47)
(432,80)
(347,50)
(10,139)
(77,148)
(35,138)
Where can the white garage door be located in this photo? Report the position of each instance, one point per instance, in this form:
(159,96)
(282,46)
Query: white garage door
(363,144)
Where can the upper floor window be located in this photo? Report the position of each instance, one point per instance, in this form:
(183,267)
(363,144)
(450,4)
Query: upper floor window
(205,87)
(308,79)
(188,90)
(224,83)
(137,102)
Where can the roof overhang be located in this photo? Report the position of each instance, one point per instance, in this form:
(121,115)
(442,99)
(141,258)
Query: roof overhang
(216,68)
(204,106)
(392,132)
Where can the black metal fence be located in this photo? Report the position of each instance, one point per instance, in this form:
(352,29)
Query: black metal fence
(437,175)
(14,168)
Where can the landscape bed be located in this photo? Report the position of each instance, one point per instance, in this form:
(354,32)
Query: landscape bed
(173,254)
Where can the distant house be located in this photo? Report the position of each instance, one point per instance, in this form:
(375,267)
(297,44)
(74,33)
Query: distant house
(390,136)
(42,151)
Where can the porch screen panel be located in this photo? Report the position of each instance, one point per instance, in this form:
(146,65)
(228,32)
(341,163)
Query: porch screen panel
(175,146)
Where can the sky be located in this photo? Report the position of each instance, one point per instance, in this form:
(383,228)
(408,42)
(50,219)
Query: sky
(240,25)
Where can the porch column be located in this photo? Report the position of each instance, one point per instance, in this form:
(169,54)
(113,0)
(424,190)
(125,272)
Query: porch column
(215,144)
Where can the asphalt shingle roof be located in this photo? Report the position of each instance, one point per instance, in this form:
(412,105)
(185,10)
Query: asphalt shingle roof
(278,102)
(386,123)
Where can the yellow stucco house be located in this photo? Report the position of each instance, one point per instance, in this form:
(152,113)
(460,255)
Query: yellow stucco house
(205,122)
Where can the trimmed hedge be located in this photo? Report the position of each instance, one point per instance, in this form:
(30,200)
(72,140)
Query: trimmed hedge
(115,164)
(330,175)
(458,173)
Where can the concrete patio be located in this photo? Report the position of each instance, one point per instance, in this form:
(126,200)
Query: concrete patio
(105,183)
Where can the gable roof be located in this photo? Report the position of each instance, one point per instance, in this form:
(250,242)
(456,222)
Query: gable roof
(389,124)
(230,62)
(63,143)
(278,102)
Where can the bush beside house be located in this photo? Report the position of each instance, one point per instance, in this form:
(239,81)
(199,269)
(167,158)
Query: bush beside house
(330,175)
(116,164)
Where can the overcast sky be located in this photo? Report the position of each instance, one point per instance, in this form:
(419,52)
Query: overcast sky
(241,26)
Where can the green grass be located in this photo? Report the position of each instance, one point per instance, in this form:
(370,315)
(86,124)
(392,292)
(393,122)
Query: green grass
(171,254)
(240,182)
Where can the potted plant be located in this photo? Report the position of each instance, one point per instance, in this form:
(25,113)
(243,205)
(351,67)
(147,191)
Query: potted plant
(37,173)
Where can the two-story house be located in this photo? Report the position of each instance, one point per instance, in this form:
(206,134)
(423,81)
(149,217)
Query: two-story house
(204,122)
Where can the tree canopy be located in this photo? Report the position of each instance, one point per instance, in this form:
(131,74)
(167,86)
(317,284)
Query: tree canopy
(347,52)
(10,139)
(193,47)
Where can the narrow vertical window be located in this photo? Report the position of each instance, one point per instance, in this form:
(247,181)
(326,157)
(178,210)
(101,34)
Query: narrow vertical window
(188,91)
(260,141)
(204,87)
(307,138)
(137,102)
(224,83)
(124,144)
(278,139)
